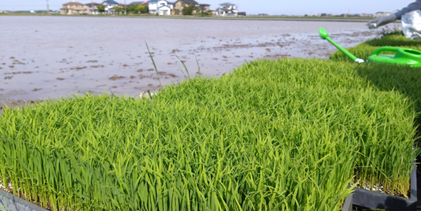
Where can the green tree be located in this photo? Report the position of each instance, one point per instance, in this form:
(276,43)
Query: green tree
(203,13)
(118,9)
(142,8)
(132,9)
(146,9)
(101,8)
(188,10)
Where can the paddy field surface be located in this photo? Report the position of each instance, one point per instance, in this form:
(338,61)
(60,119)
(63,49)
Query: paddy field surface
(50,57)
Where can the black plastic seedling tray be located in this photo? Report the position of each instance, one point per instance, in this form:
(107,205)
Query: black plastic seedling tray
(376,200)
(361,197)
(348,204)
(10,202)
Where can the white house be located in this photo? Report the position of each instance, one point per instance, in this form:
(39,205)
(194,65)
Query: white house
(382,14)
(226,9)
(160,7)
(92,8)
(109,5)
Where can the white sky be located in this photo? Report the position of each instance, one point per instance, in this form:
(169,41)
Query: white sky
(272,7)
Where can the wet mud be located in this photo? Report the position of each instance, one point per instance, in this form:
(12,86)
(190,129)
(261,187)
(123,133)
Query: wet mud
(68,55)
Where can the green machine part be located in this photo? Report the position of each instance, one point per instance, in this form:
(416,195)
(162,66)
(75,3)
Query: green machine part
(402,56)
(324,35)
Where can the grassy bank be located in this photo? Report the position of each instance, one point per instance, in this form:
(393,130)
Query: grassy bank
(277,135)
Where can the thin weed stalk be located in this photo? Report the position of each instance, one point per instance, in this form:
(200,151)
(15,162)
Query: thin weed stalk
(156,69)
(182,62)
(198,68)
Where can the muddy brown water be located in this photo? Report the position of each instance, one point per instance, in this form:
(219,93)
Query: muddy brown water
(52,57)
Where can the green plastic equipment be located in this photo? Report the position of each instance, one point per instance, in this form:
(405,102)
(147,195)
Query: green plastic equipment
(403,56)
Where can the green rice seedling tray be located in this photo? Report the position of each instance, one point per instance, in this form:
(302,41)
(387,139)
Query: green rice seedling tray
(376,200)
(291,129)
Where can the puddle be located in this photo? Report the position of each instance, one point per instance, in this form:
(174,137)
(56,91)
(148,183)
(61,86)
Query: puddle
(68,55)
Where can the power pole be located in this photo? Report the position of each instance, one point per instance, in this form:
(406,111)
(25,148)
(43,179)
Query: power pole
(125,8)
(48,8)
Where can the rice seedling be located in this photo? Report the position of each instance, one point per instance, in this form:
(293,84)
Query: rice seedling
(403,79)
(272,135)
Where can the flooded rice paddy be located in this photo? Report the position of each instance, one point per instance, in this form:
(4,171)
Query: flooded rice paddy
(51,57)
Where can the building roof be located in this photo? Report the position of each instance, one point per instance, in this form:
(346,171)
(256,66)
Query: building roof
(201,7)
(109,2)
(227,3)
(164,6)
(73,3)
(136,3)
(189,1)
(93,3)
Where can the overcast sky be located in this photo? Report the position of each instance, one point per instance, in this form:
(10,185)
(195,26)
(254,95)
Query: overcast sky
(272,7)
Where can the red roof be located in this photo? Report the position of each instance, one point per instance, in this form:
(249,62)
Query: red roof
(73,3)
(145,3)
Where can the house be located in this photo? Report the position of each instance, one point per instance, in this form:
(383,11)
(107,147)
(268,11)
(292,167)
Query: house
(171,5)
(366,15)
(201,7)
(204,7)
(226,9)
(123,6)
(108,5)
(160,7)
(180,4)
(382,14)
(73,8)
(92,8)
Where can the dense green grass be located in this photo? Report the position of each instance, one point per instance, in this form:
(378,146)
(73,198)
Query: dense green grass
(273,135)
